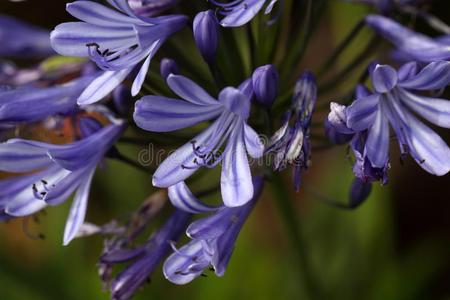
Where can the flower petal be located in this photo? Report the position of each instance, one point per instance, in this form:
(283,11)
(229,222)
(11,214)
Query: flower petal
(78,209)
(189,90)
(435,110)
(434,76)
(236,179)
(377,144)
(361,114)
(182,198)
(160,114)
(102,86)
(384,78)
(253,143)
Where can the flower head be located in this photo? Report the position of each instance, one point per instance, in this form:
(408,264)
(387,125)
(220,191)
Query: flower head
(116,40)
(229,132)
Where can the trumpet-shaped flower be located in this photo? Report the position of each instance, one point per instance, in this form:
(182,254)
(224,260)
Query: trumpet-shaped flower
(229,131)
(116,40)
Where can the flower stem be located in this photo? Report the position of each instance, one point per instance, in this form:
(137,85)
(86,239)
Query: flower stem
(288,215)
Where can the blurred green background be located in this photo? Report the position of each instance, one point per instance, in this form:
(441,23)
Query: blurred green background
(395,246)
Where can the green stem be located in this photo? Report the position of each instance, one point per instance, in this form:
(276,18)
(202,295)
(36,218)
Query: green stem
(340,49)
(288,215)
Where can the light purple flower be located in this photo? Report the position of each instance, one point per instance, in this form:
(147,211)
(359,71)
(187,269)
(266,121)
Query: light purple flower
(118,41)
(229,130)
(212,243)
(50,173)
(396,101)
(239,12)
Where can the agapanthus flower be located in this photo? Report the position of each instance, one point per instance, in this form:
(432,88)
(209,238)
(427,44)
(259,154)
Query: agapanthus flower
(229,131)
(118,41)
(396,101)
(213,240)
(239,12)
(151,7)
(207,34)
(291,144)
(50,173)
(22,40)
(143,259)
(414,45)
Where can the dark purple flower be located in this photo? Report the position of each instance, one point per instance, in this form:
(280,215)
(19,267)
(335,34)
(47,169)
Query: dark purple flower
(116,40)
(212,243)
(414,45)
(19,39)
(291,144)
(229,130)
(57,171)
(265,81)
(239,12)
(207,34)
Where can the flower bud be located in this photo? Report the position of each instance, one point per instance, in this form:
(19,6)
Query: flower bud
(206,34)
(305,95)
(265,85)
(168,66)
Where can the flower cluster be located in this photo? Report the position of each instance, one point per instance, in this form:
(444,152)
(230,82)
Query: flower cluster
(216,116)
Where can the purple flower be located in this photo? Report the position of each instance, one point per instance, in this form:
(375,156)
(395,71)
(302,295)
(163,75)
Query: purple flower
(414,45)
(143,259)
(19,39)
(50,173)
(116,40)
(229,130)
(396,101)
(290,144)
(212,243)
(207,34)
(239,12)
(151,7)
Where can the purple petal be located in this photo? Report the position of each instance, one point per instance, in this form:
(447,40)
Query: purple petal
(253,143)
(140,78)
(189,90)
(361,114)
(102,86)
(407,71)
(18,157)
(160,114)
(78,209)
(236,179)
(435,110)
(384,78)
(377,144)
(434,76)
(182,198)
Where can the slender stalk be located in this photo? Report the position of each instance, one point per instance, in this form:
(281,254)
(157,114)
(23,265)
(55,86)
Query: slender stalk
(292,224)
(120,157)
(340,49)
